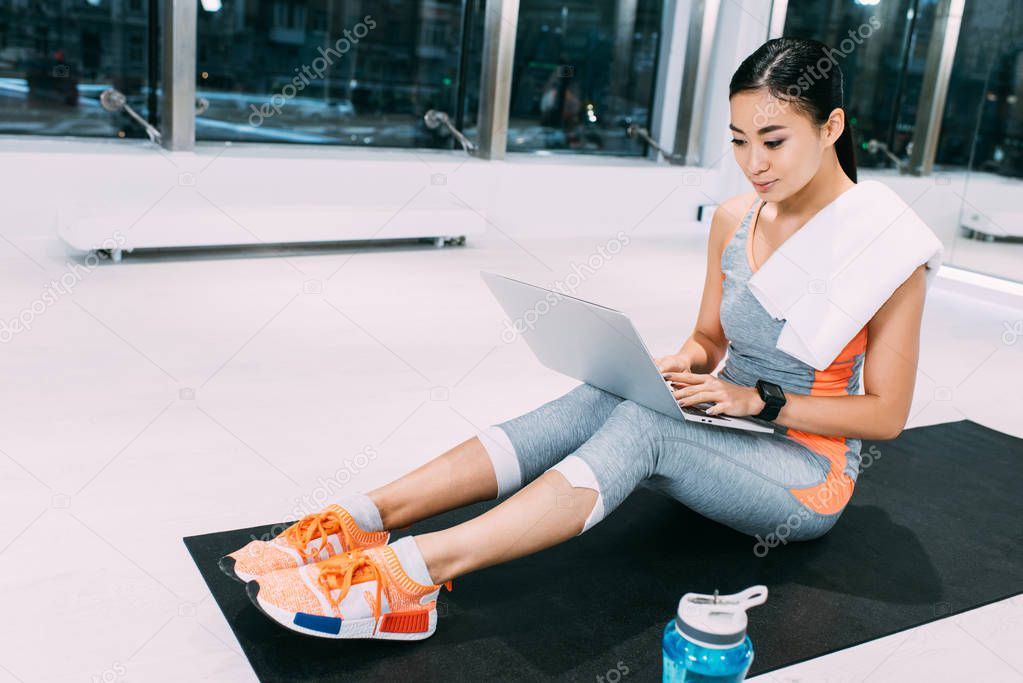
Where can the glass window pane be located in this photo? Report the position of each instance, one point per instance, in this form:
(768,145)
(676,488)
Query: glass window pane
(582,72)
(333,71)
(983,112)
(883,72)
(981,139)
(56,58)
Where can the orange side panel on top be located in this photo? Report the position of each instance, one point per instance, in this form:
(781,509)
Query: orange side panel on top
(834,492)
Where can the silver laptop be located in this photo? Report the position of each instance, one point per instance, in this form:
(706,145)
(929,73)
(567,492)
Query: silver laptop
(597,345)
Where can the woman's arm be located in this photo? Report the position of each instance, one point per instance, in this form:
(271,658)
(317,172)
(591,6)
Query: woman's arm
(707,345)
(889,374)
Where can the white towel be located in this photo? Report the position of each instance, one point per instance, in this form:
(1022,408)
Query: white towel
(829,278)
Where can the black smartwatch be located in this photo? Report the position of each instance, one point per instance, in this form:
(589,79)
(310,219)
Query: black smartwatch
(773,398)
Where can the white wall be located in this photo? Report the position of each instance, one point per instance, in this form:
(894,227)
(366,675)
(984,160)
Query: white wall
(524,195)
(135,183)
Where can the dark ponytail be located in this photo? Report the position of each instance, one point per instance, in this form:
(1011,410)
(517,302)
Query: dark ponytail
(807,74)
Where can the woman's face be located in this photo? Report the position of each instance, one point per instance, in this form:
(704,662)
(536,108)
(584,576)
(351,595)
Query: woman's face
(776,145)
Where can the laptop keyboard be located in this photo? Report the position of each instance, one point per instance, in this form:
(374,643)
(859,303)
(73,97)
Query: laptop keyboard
(701,410)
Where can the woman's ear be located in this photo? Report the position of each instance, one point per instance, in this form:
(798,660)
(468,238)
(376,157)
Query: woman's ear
(834,126)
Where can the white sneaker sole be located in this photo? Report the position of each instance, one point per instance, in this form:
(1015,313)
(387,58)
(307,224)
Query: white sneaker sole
(332,627)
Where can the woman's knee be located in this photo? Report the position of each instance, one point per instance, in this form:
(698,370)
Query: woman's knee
(639,415)
(581,410)
(595,396)
(580,474)
(503,457)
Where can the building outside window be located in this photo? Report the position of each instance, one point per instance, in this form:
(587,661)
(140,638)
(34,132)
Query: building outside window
(583,72)
(334,71)
(57,56)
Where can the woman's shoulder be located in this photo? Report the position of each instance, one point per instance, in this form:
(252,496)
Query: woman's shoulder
(727,218)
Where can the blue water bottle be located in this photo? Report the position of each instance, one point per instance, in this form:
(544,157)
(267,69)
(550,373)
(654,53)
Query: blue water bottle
(707,641)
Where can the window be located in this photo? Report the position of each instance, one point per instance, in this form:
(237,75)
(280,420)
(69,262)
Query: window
(883,71)
(57,57)
(983,116)
(338,73)
(136,47)
(583,71)
(982,139)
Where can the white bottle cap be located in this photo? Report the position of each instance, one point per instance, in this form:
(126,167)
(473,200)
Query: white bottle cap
(717,621)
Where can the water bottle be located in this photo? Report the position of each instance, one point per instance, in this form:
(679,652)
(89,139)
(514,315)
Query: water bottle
(707,641)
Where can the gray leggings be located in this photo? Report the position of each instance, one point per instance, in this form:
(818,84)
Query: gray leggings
(600,441)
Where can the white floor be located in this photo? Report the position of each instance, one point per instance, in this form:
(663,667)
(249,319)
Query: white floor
(177,396)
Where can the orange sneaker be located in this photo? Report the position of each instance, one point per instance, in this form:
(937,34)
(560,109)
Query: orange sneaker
(361,594)
(313,538)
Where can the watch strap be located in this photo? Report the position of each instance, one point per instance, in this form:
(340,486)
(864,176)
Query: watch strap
(772,406)
(769,412)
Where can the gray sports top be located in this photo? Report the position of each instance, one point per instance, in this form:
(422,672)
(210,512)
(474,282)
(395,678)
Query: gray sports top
(752,352)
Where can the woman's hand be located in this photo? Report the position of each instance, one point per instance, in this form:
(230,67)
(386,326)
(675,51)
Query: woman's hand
(675,362)
(728,399)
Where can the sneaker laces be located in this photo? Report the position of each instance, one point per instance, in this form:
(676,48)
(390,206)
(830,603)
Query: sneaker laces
(339,576)
(321,524)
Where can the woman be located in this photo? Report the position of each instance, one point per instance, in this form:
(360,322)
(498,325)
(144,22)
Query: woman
(580,455)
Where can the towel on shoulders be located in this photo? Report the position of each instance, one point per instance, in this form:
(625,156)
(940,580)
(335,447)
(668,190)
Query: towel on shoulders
(829,278)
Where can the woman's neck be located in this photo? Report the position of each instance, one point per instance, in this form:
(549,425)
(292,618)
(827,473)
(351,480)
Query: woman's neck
(829,182)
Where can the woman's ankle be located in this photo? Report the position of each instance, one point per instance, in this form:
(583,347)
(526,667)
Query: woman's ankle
(392,517)
(442,564)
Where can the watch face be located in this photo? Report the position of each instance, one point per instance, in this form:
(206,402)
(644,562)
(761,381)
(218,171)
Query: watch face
(773,391)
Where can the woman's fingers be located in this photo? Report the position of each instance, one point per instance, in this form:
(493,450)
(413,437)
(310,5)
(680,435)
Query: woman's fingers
(686,377)
(698,397)
(719,408)
(688,389)
(699,383)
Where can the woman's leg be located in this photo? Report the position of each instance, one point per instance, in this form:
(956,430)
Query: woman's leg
(740,479)
(497,461)
(745,480)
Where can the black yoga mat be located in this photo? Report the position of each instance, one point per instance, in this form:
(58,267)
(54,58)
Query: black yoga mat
(934,528)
